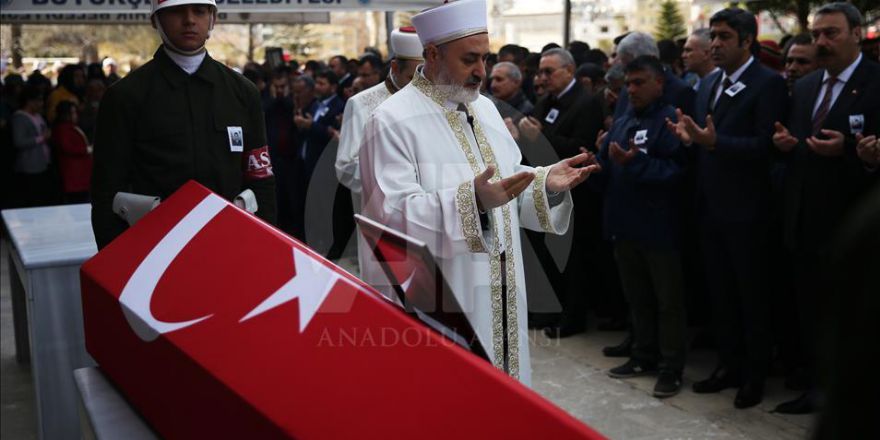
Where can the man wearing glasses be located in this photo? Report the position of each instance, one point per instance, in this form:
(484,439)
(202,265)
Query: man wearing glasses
(564,120)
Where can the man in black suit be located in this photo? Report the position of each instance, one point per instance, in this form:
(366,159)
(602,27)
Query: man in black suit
(317,124)
(564,120)
(732,129)
(567,116)
(834,110)
(280,136)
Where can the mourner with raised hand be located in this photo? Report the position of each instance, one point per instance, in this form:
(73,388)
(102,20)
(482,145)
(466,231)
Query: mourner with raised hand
(566,118)
(317,128)
(462,190)
(642,165)
(732,132)
(830,148)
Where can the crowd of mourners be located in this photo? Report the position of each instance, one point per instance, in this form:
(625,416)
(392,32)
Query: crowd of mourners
(47,130)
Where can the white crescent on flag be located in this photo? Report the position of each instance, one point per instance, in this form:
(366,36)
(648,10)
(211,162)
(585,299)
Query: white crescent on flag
(138,292)
(312,282)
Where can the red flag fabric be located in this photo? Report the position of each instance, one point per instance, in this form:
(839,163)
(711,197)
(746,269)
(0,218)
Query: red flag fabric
(214,324)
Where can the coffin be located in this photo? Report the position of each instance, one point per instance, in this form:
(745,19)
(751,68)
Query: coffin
(214,324)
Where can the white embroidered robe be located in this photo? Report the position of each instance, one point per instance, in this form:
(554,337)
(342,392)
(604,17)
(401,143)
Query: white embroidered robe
(418,160)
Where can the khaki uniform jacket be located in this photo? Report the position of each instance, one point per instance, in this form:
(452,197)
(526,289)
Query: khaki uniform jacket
(158,128)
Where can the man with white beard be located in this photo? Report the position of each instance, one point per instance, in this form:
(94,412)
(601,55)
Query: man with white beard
(439,164)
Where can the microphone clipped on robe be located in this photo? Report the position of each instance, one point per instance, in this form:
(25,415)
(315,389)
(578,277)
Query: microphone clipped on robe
(470,119)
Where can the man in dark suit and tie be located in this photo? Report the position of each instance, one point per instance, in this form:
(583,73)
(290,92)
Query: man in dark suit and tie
(829,145)
(316,127)
(564,120)
(732,129)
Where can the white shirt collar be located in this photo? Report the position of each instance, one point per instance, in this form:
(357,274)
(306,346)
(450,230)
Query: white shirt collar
(846,73)
(327,100)
(567,89)
(189,63)
(738,73)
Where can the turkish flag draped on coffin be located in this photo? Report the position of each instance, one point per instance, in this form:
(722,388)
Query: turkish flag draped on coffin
(214,324)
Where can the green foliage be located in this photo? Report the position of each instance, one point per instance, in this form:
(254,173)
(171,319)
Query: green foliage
(670,25)
(802,8)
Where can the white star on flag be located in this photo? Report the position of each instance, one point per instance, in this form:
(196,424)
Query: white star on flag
(311,284)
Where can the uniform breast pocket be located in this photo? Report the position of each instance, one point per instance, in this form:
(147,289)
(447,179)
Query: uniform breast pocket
(164,139)
(162,125)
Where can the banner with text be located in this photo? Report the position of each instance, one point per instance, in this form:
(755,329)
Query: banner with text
(10,7)
(144,18)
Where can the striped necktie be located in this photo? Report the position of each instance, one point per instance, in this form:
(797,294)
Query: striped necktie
(822,111)
(726,84)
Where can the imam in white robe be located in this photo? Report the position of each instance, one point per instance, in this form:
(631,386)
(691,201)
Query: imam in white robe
(418,162)
(357,110)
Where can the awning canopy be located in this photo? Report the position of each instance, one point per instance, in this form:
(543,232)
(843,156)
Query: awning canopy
(10,7)
(231,11)
(144,18)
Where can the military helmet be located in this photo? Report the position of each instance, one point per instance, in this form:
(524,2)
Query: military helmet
(158,5)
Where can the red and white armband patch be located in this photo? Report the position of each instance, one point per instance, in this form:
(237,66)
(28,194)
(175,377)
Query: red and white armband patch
(256,164)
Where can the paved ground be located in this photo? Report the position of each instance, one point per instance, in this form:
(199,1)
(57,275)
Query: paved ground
(18,414)
(570,373)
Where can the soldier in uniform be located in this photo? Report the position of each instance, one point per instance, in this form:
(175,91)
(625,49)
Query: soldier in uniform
(180,116)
